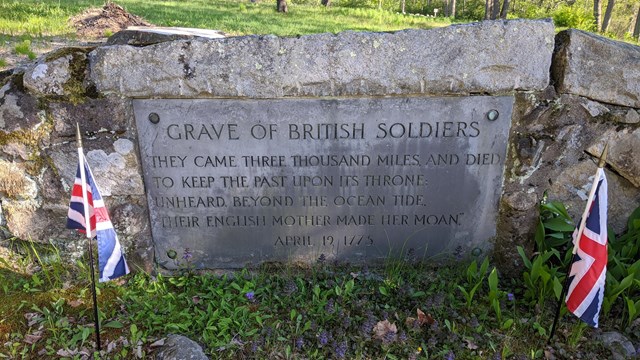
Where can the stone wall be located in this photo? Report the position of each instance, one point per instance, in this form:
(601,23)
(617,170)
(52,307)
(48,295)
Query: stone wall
(574,91)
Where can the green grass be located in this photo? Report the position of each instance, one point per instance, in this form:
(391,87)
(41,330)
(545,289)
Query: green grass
(319,312)
(24,48)
(37,18)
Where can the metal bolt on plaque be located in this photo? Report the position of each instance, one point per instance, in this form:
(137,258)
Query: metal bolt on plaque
(492,115)
(154,118)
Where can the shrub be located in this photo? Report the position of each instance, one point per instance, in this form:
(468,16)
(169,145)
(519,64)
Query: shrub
(573,17)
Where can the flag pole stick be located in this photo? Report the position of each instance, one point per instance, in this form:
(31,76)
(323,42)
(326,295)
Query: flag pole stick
(88,231)
(594,186)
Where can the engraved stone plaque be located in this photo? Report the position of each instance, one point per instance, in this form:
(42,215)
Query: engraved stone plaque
(246,181)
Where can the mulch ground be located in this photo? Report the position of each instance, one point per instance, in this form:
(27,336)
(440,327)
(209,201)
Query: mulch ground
(92,27)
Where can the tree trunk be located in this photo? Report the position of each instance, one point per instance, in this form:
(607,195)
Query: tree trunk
(452,11)
(487,9)
(282,6)
(505,9)
(607,15)
(636,28)
(402,5)
(496,9)
(379,4)
(597,13)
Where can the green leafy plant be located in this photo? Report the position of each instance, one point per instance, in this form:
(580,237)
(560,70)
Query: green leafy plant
(544,272)
(495,294)
(555,228)
(475,277)
(541,279)
(623,271)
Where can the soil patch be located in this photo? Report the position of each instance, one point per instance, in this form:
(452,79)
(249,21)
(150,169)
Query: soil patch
(102,22)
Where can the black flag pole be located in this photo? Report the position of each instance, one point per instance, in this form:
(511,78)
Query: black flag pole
(601,163)
(85,201)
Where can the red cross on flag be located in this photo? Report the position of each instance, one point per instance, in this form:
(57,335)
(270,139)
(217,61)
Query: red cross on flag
(589,269)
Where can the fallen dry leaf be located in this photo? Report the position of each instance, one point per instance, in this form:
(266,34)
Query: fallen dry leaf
(471,345)
(66,352)
(424,318)
(33,338)
(76,303)
(384,327)
(409,321)
(32,318)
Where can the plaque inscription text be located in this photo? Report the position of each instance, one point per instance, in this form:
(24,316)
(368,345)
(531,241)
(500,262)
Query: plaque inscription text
(247,181)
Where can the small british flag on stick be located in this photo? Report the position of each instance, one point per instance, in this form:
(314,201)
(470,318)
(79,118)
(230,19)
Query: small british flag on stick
(87,210)
(589,268)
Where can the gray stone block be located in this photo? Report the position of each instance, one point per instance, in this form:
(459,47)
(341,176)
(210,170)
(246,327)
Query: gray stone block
(597,68)
(488,57)
(622,153)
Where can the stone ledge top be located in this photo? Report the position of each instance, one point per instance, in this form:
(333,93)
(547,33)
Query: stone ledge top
(145,35)
(491,57)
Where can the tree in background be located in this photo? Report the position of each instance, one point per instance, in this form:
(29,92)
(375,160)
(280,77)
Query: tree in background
(607,16)
(281,6)
(597,14)
(636,26)
(493,10)
(619,18)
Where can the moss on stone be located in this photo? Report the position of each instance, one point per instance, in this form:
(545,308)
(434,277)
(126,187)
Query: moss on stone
(75,89)
(32,139)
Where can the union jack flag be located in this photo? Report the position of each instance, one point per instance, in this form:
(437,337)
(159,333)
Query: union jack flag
(589,268)
(110,257)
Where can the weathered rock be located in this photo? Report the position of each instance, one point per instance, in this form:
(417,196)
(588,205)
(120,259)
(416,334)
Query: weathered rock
(622,153)
(572,185)
(61,73)
(594,108)
(597,68)
(15,183)
(16,150)
(29,221)
(18,110)
(142,35)
(112,157)
(547,153)
(178,347)
(521,201)
(487,57)
(48,78)
(117,173)
(52,189)
(620,347)
(131,220)
(96,117)
(628,116)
